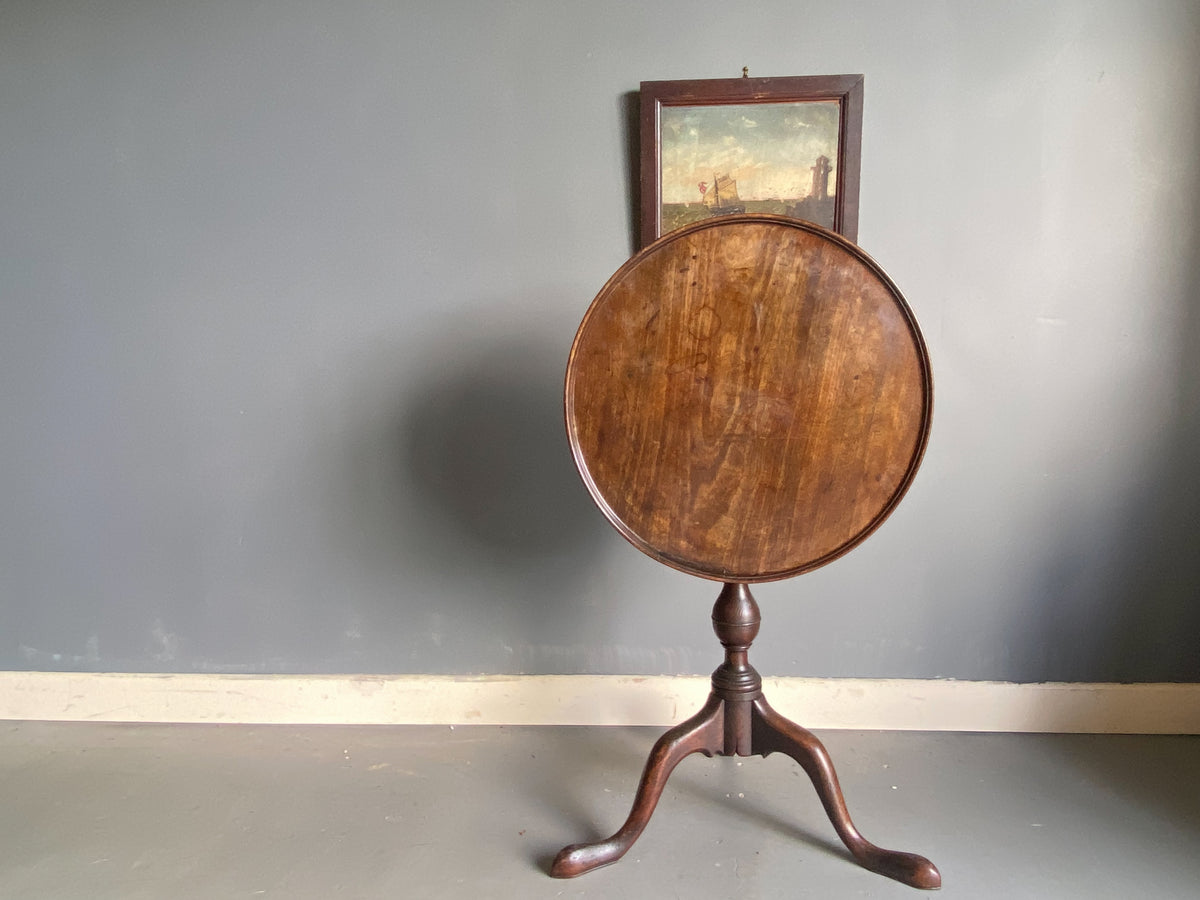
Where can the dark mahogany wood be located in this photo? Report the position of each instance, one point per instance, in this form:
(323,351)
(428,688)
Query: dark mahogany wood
(738,721)
(746,400)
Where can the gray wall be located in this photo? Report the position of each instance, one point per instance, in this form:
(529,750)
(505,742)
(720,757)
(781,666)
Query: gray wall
(286,291)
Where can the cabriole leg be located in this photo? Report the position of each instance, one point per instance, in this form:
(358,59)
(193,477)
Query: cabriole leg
(775,734)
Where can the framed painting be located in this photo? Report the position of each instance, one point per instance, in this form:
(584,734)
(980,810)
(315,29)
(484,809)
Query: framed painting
(786,146)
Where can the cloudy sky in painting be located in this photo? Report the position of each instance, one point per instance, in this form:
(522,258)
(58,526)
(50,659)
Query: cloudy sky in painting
(768,148)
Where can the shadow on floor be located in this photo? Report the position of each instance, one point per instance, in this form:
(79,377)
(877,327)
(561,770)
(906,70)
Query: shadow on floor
(1107,763)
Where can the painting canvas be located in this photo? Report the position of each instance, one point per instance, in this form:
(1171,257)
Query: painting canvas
(782,146)
(776,158)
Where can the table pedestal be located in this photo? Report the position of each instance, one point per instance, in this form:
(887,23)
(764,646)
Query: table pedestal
(738,721)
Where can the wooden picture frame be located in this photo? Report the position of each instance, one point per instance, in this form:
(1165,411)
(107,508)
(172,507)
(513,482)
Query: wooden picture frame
(793,144)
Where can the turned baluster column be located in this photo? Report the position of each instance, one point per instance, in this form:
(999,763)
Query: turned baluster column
(736,620)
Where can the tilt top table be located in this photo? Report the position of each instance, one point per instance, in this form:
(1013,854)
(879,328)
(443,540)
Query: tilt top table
(747,399)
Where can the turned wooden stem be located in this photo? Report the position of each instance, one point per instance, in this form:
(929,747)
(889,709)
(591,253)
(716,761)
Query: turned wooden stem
(736,621)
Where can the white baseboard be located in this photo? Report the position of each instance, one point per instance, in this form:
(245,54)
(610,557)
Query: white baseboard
(854,703)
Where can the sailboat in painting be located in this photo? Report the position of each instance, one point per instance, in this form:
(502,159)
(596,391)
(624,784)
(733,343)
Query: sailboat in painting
(722,198)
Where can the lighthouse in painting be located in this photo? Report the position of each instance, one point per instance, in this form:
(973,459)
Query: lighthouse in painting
(818,205)
(820,182)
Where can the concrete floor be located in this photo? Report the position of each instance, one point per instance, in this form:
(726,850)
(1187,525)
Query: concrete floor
(125,811)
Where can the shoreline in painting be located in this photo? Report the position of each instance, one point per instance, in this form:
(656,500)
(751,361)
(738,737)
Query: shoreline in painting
(676,215)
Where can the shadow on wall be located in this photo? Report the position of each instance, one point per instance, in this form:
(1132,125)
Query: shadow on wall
(1119,600)
(631,106)
(1157,637)
(465,513)
(486,453)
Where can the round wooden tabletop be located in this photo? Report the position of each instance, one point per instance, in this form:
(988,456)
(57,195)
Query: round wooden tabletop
(748,398)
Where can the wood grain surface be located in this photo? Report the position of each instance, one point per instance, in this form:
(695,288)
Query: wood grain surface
(748,398)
